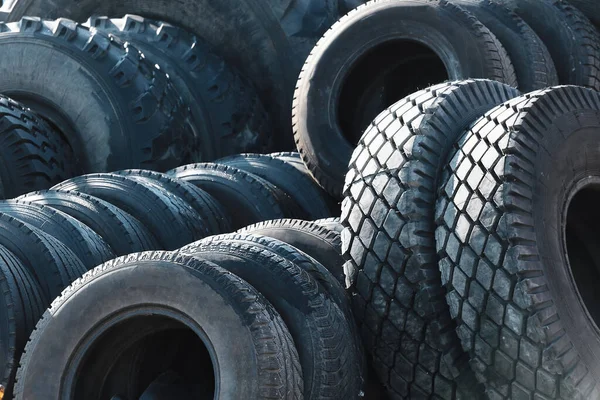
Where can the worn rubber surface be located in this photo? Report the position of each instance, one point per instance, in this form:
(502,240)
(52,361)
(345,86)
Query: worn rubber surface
(135,119)
(308,198)
(529,55)
(246,197)
(33,156)
(51,263)
(317,325)
(500,217)
(226,110)
(573,42)
(123,233)
(21,307)
(248,336)
(172,221)
(466,47)
(388,215)
(589,8)
(204,204)
(86,244)
(333,224)
(267,40)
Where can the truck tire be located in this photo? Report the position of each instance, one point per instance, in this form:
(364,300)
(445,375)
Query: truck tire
(225,108)
(235,325)
(530,57)
(362,61)
(123,233)
(307,197)
(521,279)
(246,197)
(172,221)
(33,156)
(389,243)
(86,244)
(333,224)
(318,327)
(135,119)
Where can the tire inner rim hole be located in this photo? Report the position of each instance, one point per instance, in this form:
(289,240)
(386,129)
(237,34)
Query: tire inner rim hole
(582,237)
(380,78)
(146,358)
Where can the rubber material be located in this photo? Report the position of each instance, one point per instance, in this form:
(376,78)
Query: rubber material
(333,224)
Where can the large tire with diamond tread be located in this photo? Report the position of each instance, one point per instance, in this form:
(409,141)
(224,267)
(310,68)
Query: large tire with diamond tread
(388,216)
(504,218)
(134,119)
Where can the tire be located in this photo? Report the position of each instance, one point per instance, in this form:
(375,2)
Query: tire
(267,41)
(21,308)
(172,221)
(323,245)
(245,197)
(589,8)
(326,135)
(225,108)
(514,284)
(388,240)
(123,233)
(307,197)
(51,263)
(204,204)
(135,119)
(243,330)
(530,57)
(33,156)
(572,40)
(86,244)
(318,327)
(333,224)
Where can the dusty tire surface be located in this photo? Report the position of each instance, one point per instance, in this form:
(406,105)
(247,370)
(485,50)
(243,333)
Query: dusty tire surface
(388,240)
(317,325)
(589,8)
(517,283)
(226,111)
(123,233)
(243,330)
(360,59)
(33,156)
(135,119)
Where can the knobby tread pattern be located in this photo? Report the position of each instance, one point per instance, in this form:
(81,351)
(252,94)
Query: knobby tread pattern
(490,263)
(34,156)
(388,240)
(225,106)
(498,68)
(123,233)
(280,375)
(333,224)
(172,221)
(320,331)
(158,132)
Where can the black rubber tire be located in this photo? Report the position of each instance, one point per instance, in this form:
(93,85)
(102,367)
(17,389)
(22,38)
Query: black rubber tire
(333,224)
(530,57)
(135,119)
(571,39)
(317,325)
(323,245)
(33,156)
(172,221)
(589,8)
(247,335)
(327,124)
(204,204)
(86,244)
(21,307)
(501,216)
(123,233)
(307,197)
(268,41)
(247,198)
(52,264)
(225,108)
(388,214)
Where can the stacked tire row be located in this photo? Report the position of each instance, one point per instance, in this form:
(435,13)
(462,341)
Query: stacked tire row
(48,239)
(472,258)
